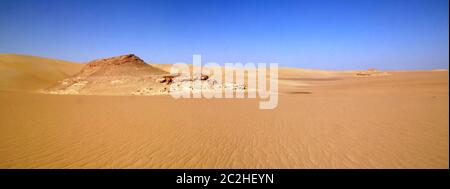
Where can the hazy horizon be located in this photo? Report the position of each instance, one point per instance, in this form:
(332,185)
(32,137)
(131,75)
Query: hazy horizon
(332,35)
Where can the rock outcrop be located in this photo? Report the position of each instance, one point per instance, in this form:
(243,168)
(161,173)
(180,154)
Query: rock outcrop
(371,72)
(130,75)
(120,75)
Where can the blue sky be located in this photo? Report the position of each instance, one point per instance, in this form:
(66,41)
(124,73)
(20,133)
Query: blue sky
(334,34)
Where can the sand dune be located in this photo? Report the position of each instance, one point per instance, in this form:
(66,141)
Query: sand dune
(324,119)
(25,73)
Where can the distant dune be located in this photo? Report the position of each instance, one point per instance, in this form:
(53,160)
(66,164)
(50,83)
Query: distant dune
(29,73)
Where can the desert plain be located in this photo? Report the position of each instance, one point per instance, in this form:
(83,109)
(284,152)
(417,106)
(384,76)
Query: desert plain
(324,119)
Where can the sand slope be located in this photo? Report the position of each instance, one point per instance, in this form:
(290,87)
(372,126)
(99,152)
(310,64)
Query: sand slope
(119,75)
(323,120)
(29,73)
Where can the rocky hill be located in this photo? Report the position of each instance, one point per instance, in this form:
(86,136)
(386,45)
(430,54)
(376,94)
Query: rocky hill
(120,75)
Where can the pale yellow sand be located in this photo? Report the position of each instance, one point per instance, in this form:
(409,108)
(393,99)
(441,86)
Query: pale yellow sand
(323,120)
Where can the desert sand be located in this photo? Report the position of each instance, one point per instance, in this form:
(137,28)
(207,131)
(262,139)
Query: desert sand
(324,119)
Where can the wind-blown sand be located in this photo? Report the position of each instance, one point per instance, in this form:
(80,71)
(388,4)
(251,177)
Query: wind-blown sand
(323,120)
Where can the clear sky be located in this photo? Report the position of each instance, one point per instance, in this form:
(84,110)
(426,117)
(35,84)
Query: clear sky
(334,34)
